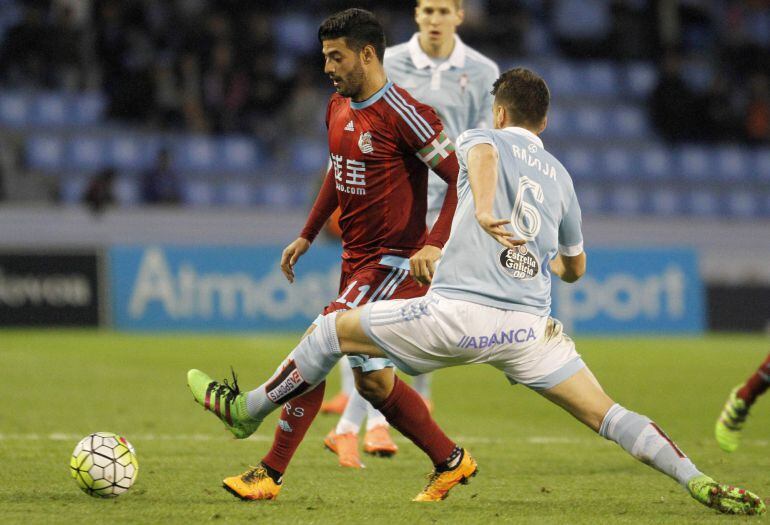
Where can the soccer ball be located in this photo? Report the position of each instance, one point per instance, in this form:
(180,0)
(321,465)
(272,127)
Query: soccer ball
(104,464)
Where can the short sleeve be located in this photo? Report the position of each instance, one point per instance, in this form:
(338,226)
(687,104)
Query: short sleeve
(470,138)
(570,233)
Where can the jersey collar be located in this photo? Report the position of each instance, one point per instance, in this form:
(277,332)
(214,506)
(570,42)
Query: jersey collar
(374,98)
(525,133)
(422,60)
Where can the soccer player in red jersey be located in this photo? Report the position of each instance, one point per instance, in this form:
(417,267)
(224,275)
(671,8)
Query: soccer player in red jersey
(736,410)
(381,144)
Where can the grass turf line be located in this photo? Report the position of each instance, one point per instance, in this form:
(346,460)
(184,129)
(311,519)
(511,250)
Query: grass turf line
(537,464)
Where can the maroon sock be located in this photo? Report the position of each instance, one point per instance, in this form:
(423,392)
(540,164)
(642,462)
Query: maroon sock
(756,384)
(406,412)
(296,417)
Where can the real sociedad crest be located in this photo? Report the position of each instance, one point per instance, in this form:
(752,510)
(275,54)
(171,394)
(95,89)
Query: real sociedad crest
(365,142)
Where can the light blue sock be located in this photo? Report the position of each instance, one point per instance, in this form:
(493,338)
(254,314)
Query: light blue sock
(644,440)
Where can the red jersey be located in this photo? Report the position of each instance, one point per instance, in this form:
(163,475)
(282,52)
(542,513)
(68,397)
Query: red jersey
(380,150)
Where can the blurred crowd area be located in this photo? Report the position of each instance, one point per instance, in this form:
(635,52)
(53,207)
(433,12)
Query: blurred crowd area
(253,69)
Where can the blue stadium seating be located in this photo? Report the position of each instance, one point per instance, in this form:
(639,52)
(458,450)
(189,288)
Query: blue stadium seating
(50,109)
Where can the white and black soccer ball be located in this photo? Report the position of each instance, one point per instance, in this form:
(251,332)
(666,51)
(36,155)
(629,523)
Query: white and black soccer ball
(104,464)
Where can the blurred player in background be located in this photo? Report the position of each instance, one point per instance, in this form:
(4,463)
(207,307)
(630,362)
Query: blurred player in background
(381,144)
(439,70)
(736,409)
(490,298)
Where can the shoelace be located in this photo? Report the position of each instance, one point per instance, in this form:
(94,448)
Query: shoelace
(227,390)
(432,477)
(253,473)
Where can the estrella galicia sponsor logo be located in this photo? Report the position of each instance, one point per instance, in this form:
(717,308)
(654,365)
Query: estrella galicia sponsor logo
(516,335)
(519,263)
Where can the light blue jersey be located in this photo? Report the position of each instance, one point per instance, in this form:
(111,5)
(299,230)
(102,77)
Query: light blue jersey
(535,190)
(458,88)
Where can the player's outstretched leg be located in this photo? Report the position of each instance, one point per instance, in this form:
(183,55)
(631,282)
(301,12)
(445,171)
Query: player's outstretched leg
(727,430)
(582,396)
(225,401)
(730,423)
(305,368)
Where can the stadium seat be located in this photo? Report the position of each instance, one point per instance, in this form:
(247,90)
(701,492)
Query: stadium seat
(640,79)
(86,109)
(704,202)
(48,109)
(86,153)
(618,163)
(195,154)
(630,122)
(309,157)
(656,163)
(132,152)
(198,192)
(694,163)
(237,193)
(743,204)
(761,168)
(45,152)
(71,189)
(126,191)
(600,79)
(14,109)
(665,202)
(582,19)
(626,201)
(239,154)
(591,199)
(733,163)
(580,163)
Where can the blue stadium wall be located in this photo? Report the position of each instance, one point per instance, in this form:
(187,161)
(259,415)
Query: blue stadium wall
(242,289)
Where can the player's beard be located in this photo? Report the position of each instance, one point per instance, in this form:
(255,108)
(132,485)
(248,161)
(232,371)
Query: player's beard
(352,86)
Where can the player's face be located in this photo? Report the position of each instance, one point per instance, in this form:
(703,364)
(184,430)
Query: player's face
(344,67)
(437,19)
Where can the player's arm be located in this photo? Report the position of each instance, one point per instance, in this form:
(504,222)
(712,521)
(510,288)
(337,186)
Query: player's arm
(570,263)
(482,176)
(325,204)
(568,269)
(423,263)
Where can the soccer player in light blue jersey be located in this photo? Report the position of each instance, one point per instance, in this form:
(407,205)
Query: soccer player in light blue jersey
(517,223)
(436,68)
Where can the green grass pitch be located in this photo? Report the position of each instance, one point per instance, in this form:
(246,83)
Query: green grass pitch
(537,465)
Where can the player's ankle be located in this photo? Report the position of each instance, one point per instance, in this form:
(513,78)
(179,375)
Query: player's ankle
(454,459)
(275,475)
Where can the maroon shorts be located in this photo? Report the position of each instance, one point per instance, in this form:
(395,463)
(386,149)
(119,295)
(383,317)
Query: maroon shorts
(389,278)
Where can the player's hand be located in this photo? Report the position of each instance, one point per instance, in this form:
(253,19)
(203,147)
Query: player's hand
(290,256)
(422,264)
(495,228)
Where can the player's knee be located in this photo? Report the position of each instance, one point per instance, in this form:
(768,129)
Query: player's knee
(374,387)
